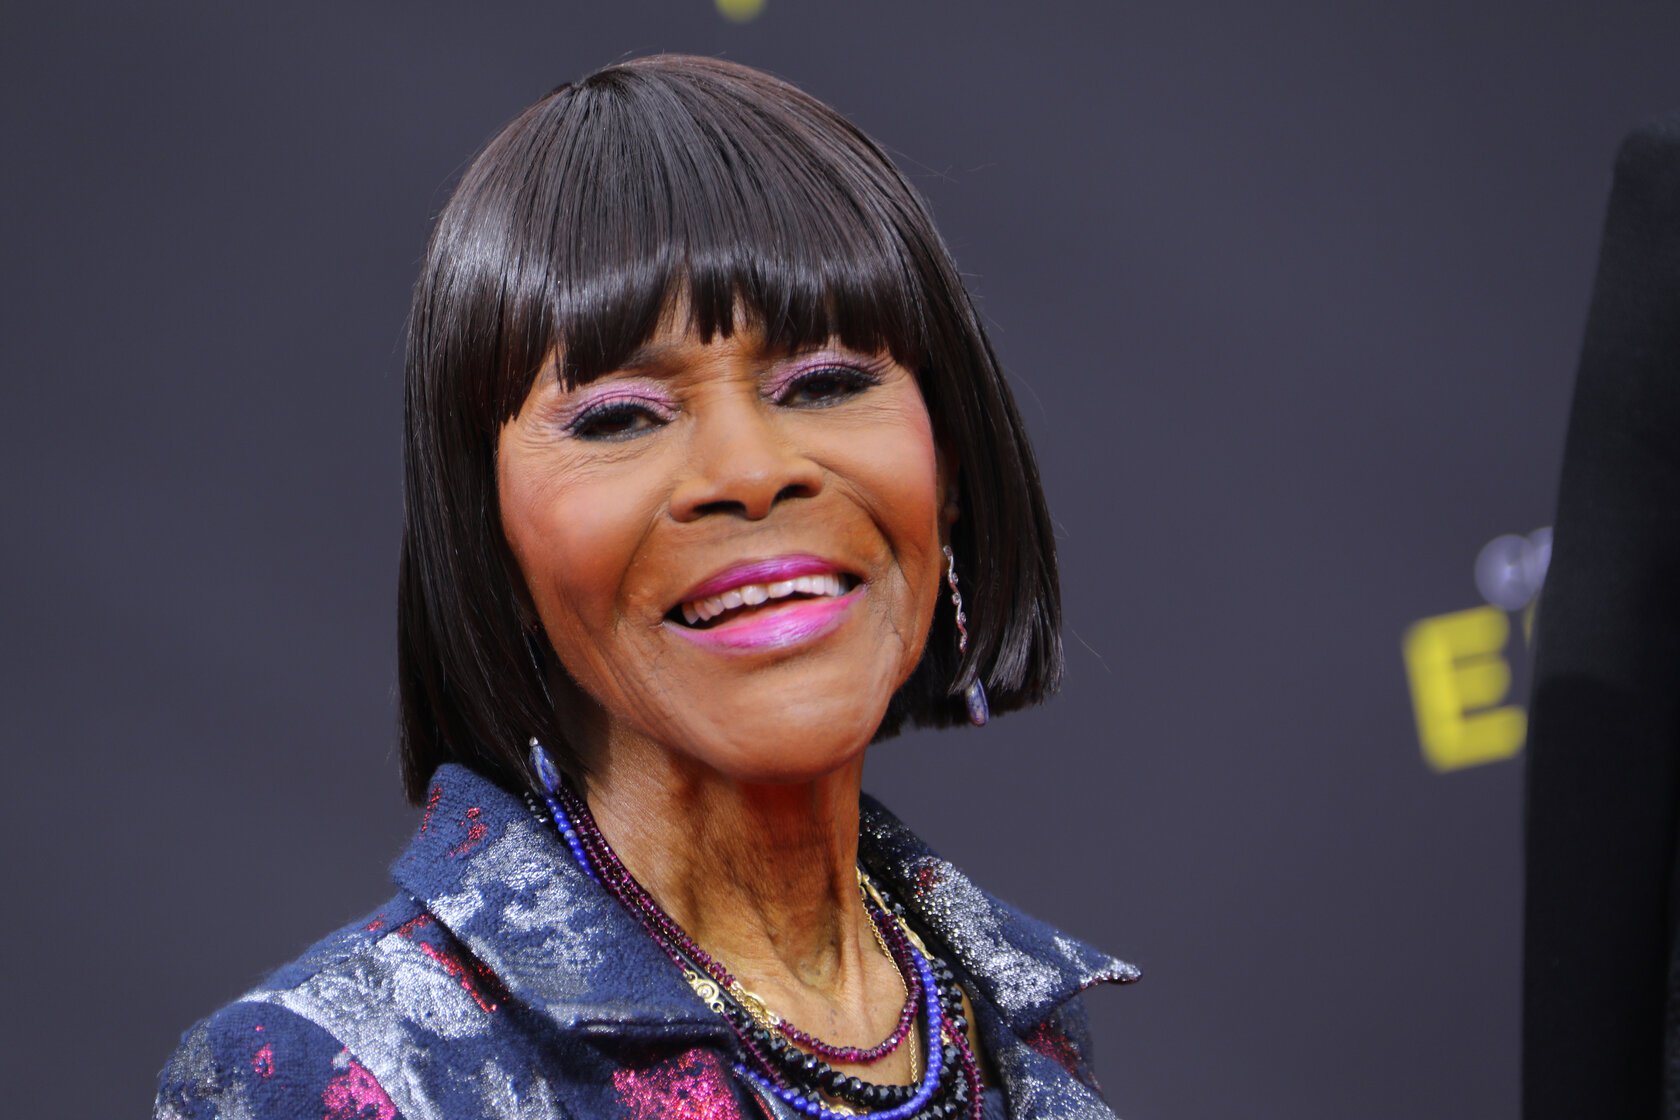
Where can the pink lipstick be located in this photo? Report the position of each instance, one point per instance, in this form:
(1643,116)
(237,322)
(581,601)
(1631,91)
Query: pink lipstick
(767,604)
(761,571)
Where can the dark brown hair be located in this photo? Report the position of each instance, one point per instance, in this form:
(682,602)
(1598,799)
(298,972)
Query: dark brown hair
(682,181)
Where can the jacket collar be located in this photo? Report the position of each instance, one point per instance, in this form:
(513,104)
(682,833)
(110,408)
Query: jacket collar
(508,888)
(1024,967)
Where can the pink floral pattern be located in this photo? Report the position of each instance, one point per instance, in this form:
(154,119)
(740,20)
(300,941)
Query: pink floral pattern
(355,1095)
(692,1086)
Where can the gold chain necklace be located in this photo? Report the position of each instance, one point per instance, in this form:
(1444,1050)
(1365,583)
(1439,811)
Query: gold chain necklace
(707,989)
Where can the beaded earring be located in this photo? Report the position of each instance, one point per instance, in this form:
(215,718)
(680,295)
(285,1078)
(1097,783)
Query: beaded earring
(549,775)
(979,712)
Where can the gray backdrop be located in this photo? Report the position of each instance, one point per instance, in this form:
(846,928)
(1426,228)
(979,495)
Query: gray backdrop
(1291,294)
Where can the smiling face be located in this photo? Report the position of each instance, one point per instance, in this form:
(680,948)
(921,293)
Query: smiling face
(734,552)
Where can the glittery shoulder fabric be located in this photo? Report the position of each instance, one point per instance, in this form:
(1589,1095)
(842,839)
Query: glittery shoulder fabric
(502,982)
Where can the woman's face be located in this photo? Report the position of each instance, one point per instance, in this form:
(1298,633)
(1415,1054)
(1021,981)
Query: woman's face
(735,553)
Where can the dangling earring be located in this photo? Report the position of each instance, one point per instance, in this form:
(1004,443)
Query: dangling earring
(549,775)
(975,695)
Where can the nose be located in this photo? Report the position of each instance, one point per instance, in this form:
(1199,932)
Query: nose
(742,463)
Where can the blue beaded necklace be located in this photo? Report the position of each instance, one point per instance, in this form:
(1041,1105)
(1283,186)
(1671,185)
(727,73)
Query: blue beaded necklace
(964,1094)
(811,1106)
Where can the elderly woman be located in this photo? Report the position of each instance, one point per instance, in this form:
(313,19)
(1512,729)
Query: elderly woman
(712,482)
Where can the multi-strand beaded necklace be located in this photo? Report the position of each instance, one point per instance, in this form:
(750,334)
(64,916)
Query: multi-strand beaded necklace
(777,1058)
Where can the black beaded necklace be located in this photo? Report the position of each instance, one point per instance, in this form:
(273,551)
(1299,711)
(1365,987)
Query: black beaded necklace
(772,1059)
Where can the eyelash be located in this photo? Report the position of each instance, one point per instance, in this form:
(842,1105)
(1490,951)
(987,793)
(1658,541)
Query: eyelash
(592,422)
(589,423)
(853,381)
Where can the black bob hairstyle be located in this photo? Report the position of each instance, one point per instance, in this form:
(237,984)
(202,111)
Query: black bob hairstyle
(658,182)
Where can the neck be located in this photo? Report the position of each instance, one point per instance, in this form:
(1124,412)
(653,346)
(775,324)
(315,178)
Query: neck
(763,877)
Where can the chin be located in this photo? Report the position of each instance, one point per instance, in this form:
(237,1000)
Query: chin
(777,727)
(783,751)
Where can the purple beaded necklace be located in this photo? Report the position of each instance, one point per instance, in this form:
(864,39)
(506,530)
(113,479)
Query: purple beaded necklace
(577,827)
(899,952)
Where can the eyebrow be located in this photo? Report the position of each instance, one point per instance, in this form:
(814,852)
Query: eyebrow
(649,357)
(655,357)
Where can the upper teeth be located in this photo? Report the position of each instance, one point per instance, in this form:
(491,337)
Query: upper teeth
(752,594)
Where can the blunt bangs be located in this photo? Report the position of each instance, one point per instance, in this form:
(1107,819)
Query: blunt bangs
(663,196)
(677,182)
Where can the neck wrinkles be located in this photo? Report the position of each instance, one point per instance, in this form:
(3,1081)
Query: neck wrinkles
(761,876)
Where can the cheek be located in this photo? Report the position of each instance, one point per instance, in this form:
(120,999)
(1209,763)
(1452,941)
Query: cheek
(900,466)
(573,533)
(912,484)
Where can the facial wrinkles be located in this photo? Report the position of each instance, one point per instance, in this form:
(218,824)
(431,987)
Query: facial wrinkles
(891,413)
(539,469)
(590,524)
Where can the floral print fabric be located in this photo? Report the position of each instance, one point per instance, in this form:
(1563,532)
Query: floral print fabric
(502,982)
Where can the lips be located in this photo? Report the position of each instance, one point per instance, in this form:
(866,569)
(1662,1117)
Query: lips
(762,571)
(786,588)
(713,609)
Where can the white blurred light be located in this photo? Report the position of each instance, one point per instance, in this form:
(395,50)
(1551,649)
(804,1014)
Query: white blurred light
(1510,569)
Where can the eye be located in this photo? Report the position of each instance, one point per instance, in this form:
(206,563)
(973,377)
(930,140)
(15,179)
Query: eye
(615,420)
(826,386)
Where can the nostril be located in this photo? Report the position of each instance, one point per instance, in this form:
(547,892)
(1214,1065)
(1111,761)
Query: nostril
(738,508)
(739,482)
(725,505)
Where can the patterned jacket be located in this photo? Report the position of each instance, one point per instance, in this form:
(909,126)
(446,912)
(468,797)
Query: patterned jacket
(503,982)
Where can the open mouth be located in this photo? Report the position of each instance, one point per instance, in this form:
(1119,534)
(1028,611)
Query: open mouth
(749,599)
